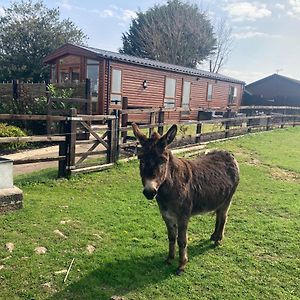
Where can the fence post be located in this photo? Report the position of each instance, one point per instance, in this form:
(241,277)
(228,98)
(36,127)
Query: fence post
(227,123)
(152,122)
(48,97)
(161,118)
(268,124)
(124,119)
(15,89)
(249,124)
(62,164)
(71,140)
(294,121)
(198,128)
(113,138)
(282,122)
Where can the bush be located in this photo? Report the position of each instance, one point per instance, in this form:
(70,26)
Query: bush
(11,131)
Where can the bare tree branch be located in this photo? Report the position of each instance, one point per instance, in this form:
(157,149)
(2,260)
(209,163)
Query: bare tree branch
(224,46)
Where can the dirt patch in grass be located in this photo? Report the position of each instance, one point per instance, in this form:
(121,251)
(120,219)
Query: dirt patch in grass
(284,175)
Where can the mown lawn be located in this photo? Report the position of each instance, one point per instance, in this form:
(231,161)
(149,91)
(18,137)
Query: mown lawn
(259,259)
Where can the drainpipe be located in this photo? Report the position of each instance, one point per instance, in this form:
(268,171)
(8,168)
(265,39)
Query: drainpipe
(108,86)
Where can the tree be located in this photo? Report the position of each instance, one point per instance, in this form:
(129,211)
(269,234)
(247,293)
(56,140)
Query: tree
(28,32)
(177,33)
(223,33)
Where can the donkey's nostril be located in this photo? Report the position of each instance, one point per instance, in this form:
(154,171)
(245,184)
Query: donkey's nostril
(149,194)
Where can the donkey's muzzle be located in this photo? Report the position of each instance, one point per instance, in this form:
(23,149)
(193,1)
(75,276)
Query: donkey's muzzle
(149,193)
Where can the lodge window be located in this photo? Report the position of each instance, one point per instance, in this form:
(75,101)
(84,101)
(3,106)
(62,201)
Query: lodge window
(186,94)
(69,70)
(92,73)
(232,95)
(209,92)
(53,73)
(116,86)
(170,91)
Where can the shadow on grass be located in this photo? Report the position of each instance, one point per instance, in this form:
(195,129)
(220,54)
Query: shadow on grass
(122,276)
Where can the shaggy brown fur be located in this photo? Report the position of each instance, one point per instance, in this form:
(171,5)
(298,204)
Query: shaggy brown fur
(186,187)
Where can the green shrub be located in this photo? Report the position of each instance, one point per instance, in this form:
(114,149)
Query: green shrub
(11,131)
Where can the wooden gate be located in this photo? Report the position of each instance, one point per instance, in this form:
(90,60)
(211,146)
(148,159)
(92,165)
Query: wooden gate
(102,143)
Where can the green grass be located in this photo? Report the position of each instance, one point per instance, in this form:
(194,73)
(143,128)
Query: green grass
(258,260)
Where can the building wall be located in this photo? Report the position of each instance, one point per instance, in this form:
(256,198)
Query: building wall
(153,96)
(273,87)
(274,90)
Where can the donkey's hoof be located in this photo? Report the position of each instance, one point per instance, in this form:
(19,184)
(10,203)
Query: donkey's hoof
(218,243)
(169,261)
(179,271)
(213,237)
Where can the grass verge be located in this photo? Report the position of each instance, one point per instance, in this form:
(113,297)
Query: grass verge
(258,260)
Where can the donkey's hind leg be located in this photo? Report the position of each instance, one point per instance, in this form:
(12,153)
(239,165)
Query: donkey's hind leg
(221,218)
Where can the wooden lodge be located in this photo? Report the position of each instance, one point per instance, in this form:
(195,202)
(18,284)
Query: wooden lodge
(146,83)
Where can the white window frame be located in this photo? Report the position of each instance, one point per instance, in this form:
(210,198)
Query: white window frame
(116,87)
(232,95)
(170,92)
(210,89)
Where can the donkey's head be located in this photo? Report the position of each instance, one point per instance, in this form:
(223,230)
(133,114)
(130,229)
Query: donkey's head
(154,158)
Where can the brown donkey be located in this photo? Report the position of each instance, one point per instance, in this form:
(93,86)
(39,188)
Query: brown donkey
(186,187)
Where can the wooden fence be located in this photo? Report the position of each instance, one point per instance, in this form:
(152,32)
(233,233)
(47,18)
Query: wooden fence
(110,136)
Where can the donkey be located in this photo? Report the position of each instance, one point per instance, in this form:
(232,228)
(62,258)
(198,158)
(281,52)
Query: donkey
(184,188)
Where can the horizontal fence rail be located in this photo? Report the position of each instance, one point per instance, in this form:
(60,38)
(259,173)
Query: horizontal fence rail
(100,140)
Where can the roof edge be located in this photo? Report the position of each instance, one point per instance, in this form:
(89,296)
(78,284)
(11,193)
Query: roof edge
(69,48)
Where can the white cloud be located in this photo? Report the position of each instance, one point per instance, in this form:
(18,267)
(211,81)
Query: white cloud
(1,11)
(246,11)
(280,6)
(254,33)
(106,13)
(294,8)
(124,15)
(244,75)
(113,11)
(127,15)
(66,5)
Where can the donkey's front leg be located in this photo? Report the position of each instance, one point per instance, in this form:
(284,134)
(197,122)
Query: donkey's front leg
(172,235)
(182,244)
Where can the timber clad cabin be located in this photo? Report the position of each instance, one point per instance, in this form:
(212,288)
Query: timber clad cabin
(146,83)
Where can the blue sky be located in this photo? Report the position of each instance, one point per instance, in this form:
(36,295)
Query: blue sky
(266,33)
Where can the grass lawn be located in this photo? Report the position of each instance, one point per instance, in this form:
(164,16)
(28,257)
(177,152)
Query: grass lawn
(259,259)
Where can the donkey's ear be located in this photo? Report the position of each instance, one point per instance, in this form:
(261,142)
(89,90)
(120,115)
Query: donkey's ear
(138,134)
(169,136)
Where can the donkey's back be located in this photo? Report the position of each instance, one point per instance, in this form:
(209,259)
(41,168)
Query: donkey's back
(215,177)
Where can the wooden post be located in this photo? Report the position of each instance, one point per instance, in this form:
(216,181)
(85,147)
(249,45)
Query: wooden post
(294,121)
(227,123)
(15,89)
(124,119)
(268,124)
(227,127)
(249,124)
(71,140)
(49,104)
(198,128)
(282,122)
(62,164)
(117,135)
(152,122)
(112,152)
(161,119)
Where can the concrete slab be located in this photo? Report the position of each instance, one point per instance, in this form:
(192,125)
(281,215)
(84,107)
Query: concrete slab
(11,199)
